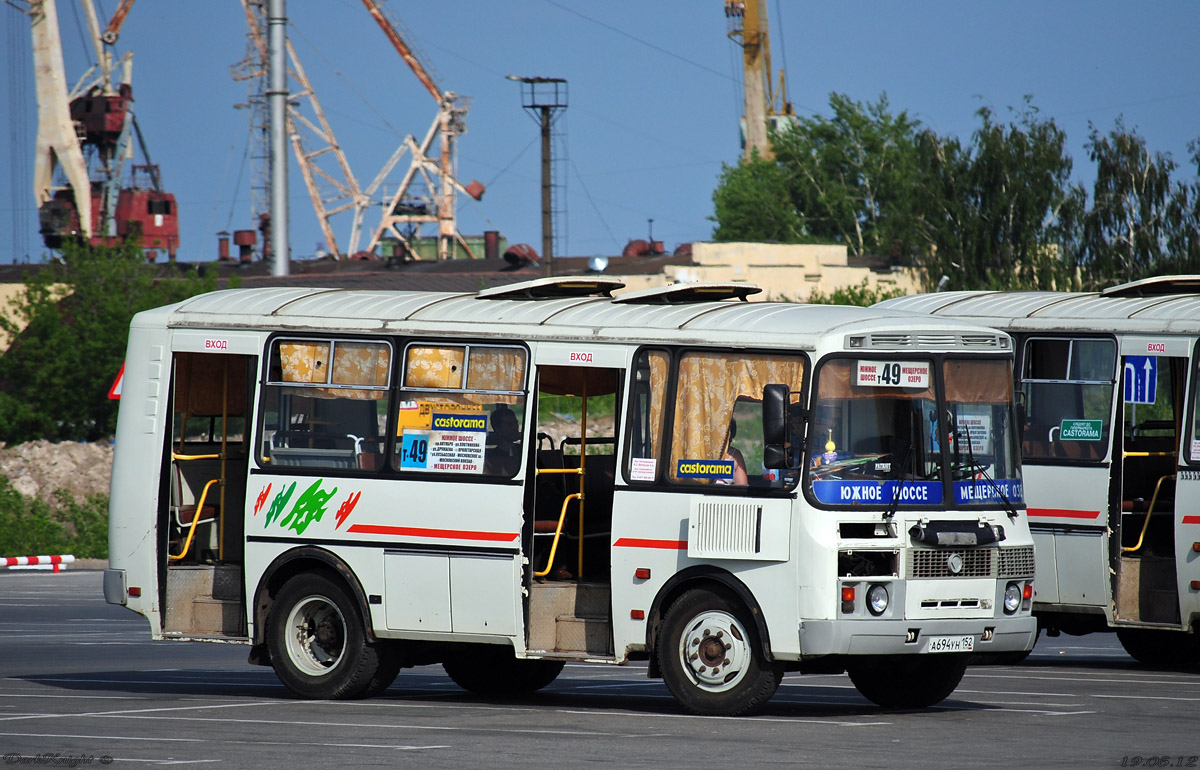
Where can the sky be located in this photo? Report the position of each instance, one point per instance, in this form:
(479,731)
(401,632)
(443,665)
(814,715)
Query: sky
(654,97)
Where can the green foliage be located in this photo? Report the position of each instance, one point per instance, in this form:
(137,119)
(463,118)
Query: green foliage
(54,378)
(753,204)
(32,527)
(996,212)
(862,295)
(1141,223)
(1000,213)
(852,176)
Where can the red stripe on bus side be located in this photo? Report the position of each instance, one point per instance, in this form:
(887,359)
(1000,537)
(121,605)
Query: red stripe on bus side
(637,542)
(1063,513)
(1191,519)
(444,534)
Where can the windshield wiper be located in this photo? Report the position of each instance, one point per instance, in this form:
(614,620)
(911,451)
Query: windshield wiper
(904,466)
(977,468)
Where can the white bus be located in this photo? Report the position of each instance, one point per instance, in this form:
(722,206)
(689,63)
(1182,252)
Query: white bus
(351,482)
(1111,444)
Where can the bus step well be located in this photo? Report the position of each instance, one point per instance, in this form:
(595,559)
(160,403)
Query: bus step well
(205,599)
(567,616)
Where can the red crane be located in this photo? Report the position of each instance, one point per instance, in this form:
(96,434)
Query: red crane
(88,133)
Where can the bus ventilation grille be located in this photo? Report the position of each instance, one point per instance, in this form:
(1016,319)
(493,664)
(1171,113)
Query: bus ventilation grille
(1016,562)
(935,562)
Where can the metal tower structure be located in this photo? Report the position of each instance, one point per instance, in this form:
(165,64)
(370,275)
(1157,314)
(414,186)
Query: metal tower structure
(746,23)
(426,194)
(545,99)
(88,134)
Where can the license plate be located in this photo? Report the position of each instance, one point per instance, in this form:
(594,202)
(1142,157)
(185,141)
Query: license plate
(951,644)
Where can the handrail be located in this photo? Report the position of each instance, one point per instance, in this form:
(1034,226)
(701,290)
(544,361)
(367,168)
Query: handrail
(1149,511)
(195,520)
(1148,454)
(562,518)
(177,456)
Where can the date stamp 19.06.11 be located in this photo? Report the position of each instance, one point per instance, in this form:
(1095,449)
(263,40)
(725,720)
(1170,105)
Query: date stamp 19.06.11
(1160,760)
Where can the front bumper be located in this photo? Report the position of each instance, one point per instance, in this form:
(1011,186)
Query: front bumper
(895,637)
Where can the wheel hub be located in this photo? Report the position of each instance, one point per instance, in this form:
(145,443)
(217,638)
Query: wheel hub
(715,651)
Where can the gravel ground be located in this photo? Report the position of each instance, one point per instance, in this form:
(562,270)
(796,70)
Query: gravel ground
(38,468)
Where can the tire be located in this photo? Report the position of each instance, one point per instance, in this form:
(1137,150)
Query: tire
(318,644)
(390,663)
(711,657)
(1155,648)
(492,669)
(907,681)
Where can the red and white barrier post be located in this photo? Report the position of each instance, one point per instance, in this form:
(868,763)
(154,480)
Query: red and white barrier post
(37,562)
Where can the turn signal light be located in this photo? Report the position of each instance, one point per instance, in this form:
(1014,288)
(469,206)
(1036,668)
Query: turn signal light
(1196,547)
(1195,585)
(637,614)
(847,593)
(642,573)
(1028,592)
(135,591)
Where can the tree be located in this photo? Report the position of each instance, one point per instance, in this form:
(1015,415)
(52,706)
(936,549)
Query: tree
(1137,212)
(752,203)
(69,330)
(852,175)
(1000,213)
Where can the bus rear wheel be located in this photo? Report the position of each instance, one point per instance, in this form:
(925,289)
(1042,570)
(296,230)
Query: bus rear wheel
(710,656)
(907,681)
(318,644)
(493,669)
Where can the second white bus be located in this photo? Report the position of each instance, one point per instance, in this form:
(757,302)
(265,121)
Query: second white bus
(352,482)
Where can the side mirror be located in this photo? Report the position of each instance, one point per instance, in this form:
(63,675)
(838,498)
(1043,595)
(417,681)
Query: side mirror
(775,426)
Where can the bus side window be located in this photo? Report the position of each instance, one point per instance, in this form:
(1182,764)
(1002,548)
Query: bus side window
(325,404)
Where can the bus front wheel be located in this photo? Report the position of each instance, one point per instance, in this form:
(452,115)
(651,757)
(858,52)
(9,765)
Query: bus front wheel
(710,656)
(318,645)
(907,681)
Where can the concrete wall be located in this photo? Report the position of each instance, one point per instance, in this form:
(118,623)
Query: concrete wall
(785,272)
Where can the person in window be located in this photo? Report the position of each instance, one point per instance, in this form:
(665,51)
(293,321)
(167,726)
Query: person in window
(739,462)
(503,442)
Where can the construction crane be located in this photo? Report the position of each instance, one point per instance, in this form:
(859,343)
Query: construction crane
(765,106)
(88,133)
(426,194)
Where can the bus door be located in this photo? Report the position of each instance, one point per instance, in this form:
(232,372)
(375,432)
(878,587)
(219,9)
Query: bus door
(569,507)
(1068,384)
(204,491)
(1145,454)
(1187,505)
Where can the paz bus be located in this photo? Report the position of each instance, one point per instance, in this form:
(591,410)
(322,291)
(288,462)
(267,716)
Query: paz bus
(352,482)
(1111,445)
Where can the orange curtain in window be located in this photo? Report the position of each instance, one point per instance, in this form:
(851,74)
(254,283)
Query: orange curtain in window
(978,382)
(659,368)
(363,364)
(434,367)
(496,369)
(709,384)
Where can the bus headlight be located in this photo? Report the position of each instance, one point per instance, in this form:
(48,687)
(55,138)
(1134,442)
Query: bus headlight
(877,599)
(1012,598)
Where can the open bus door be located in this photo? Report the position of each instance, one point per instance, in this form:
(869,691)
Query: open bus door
(203,494)
(1145,458)
(569,511)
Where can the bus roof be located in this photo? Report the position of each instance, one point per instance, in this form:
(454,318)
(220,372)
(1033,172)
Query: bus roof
(1168,304)
(599,318)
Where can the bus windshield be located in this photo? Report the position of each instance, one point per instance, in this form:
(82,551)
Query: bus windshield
(879,436)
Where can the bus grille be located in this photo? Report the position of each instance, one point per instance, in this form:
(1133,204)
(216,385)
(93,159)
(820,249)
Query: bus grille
(1016,562)
(932,562)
